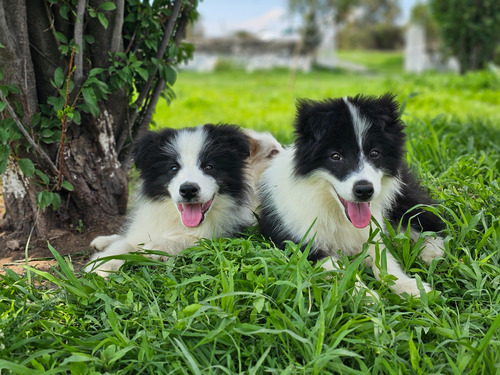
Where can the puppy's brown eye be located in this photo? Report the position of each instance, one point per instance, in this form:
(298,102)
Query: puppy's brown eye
(174,168)
(336,156)
(208,167)
(374,154)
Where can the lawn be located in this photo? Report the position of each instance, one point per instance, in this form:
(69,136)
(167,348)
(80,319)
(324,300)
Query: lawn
(388,62)
(239,305)
(266,100)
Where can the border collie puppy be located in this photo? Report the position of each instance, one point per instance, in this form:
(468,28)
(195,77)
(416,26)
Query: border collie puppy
(194,185)
(345,167)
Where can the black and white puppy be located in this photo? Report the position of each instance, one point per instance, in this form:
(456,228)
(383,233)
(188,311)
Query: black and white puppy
(194,184)
(345,167)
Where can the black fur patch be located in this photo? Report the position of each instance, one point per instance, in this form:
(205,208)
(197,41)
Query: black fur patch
(154,164)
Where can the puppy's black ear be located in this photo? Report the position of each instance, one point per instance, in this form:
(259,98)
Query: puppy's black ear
(308,120)
(146,148)
(144,143)
(233,137)
(391,105)
(383,110)
(389,99)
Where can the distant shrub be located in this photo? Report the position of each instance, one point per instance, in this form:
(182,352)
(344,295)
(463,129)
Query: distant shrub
(374,37)
(470,30)
(226,64)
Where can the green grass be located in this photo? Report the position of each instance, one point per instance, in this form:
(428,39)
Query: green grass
(375,61)
(238,305)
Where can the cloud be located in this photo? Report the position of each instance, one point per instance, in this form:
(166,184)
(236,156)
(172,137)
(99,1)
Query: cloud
(255,17)
(268,20)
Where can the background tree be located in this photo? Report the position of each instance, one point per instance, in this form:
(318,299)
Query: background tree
(372,24)
(79,80)
(470,30)
(361,24)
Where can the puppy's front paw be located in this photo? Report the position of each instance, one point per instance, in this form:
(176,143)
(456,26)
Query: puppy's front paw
(106,268)
(102,242)
(433,248)
(410,286)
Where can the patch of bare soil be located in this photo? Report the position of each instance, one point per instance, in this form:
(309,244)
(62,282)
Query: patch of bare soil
(13,251)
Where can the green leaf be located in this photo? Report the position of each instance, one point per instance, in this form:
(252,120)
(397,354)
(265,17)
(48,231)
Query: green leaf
(173,50)
(4,135)
(43,176)
(57,102)
(103,20)
(170,75)
(46,133)
(91,101)
(56,201)
(108,5)
(35,119)
(65,9)
(414,356)
(4,156)
(67,185)
(13,133)
(259,304)
(191,309)
(95,71)
(13,89)
(47,198)
(76,286)
(61,37)
(15,367)
(58,77)
(143,73)
(77,119)
(27,167)
(2,106)
(42,199)
(89,39)
(64,49)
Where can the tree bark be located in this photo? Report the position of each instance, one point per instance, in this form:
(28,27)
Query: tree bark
(15,60)
(15,57)
(90,161)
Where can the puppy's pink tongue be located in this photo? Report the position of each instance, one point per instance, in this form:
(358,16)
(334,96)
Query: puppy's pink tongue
(191,214)
(359,214)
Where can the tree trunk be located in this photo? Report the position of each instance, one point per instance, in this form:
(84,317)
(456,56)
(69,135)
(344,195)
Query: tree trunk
(92,166)
(90,160)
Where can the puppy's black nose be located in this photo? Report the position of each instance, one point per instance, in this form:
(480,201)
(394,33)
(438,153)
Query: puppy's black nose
(363,190)
(189,190)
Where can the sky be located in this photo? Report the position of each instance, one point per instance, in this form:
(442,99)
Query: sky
(223,17)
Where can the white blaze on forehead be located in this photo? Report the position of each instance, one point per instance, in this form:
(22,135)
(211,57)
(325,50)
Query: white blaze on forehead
(188,145)
(359,122)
